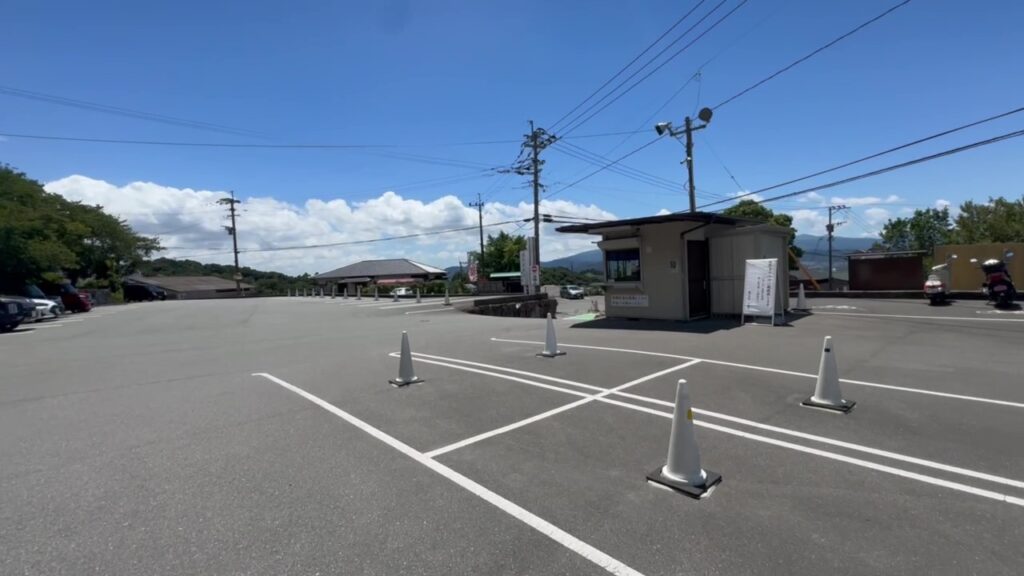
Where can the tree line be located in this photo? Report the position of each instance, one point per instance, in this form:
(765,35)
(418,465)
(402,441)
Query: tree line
(997,221)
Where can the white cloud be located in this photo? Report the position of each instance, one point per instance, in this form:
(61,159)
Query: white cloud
(811,197)
(663,212)
(940,203)
(866,200)
(191,223)
(809,221)
(747,195)
(876,216)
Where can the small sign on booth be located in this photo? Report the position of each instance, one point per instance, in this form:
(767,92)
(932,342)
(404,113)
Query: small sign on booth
(759,285)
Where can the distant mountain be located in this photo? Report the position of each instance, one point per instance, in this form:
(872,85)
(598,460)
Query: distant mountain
(815,249)
(589,260)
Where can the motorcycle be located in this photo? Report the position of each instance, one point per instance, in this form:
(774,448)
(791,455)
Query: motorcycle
(936,286)
(998,285)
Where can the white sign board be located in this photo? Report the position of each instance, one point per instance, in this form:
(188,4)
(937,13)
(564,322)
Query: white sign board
(628,300)
(759,284)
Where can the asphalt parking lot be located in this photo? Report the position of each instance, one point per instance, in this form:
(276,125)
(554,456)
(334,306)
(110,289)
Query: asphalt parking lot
(262,437)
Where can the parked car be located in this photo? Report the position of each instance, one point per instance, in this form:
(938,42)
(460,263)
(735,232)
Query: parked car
(69,296)
(13,311)
(143,292)
(45,307)
(571,292)
(404,292)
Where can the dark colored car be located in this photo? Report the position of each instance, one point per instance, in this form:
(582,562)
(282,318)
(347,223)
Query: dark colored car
(13,311)
(68,295)
(142,293)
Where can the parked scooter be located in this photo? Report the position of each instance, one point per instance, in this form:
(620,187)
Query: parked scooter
(936,287)
(998,285)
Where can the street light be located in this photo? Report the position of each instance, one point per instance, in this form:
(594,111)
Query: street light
(663,128)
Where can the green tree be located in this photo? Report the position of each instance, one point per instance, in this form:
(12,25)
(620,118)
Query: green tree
(44,233)
(501,252)
(925,230)
(755,210)
(1000,220)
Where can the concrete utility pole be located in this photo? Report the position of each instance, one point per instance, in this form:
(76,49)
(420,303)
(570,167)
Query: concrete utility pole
(831,228)
(479,205)
(537,140)
(663,128)
(233,231)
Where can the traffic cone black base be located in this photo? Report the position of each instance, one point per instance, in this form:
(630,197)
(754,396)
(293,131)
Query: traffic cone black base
(845,407)
(711,479)
(400,383)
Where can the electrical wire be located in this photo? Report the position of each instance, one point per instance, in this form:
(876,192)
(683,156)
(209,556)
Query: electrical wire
(126,112)
(899,166)
(813,53)
(633,61)
(356,242)
(875,155)
(602,168)
(641,177)
(580,120)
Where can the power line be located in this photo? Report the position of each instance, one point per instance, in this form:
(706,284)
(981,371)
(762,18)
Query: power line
(605,167)
(631,62)
(126,112)
(577,122)
(818,50)
(875,155)
(637,175)
(357,242)
(899,166)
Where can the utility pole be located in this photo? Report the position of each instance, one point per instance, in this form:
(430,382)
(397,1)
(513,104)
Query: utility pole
(479,205)
(663,128)
(831,228)
(233,231)
(537,140)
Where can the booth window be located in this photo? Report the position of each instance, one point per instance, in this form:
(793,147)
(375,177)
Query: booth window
(622,265)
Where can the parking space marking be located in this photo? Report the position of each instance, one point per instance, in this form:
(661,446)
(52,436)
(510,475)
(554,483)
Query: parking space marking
(496,375)
(848,445)
(618,391)
(971,318)
(604,392)
(838,457)
(778,371)
(435,302)
(546,528)
(446,309)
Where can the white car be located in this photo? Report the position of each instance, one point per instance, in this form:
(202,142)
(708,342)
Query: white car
(45,309)
(403,292)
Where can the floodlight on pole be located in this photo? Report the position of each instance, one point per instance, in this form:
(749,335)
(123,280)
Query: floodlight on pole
(663,128)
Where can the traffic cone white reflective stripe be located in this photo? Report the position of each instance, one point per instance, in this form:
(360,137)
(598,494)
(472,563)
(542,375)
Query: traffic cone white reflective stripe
(359,292)
(406,374)
(682,470)
(801,298)
(376,293)
(418,296)
(826,390)
(447,301)
(550,343)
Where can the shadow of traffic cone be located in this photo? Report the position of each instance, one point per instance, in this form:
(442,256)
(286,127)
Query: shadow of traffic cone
(826,391)
(682,471)
(447,301)
(406,374)
(550,344)
(801,299)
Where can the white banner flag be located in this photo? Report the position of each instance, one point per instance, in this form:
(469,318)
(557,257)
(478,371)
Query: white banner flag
(759,287)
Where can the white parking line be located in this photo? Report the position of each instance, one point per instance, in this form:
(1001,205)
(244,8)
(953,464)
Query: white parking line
(617,391)
(970,318)
(839,457)
(446,309)
(778,371)
(530,519)
(559,410)
(435,302)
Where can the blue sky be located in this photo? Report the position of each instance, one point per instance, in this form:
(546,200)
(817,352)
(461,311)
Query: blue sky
(430,74)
